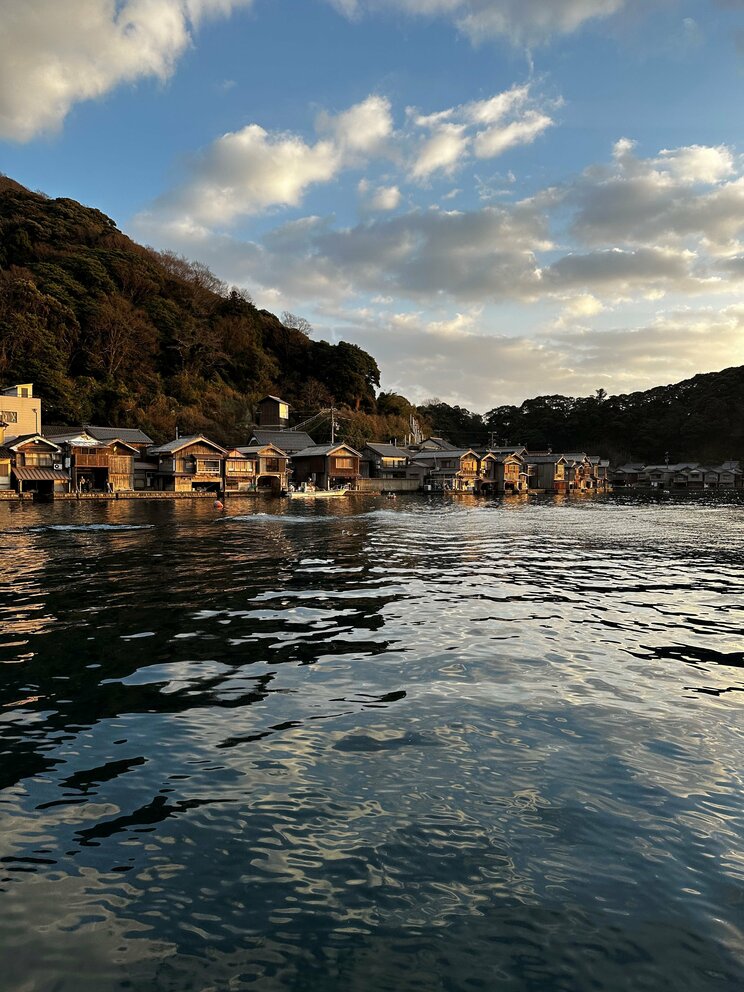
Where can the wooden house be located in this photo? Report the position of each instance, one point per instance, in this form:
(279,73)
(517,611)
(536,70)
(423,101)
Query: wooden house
(546,472)
(728,475)
(628,474)
(273,412)
(579,472)
(239,472)
(188,464)
(328,466)
(37,466)
(384,461)
(269,466)
(502,473)
(451,470)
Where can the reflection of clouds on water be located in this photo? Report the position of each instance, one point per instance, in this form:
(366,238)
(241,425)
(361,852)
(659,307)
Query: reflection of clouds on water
(324,756)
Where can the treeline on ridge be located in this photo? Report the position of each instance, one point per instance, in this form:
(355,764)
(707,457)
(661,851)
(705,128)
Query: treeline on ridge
(701,418)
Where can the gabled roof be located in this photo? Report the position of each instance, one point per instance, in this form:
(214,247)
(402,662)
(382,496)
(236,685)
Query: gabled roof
(183,442)
(289,441)
(543,459)
(634,467)
(387,450)
(325,449)
(429,456)
(437,442)
(16,442)
(130,435)
(503,456)
(258,449)
(277,399)
(677,467)
(512,449)
(574,456)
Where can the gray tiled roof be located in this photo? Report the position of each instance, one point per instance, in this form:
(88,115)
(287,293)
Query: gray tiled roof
(132,435)
(289,441)
(324,449)
(387,450)
(181,442)
(256,449)
(420,456)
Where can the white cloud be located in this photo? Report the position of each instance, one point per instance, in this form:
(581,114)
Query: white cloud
(441,152)
(496,140)
(466,359)
(487,128)
(245,172)
(522,21)
(54,53)
(682,194)
(363,128)
(379,198)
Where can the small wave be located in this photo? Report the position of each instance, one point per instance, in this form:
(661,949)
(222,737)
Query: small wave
(263,518)
(90,527)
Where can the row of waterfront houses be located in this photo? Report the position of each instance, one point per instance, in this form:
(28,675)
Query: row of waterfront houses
(680,476)
(86,458)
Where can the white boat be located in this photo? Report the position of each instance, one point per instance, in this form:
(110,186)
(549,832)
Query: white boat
(317,493)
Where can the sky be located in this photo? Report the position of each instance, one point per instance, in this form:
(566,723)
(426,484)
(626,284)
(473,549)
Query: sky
(496,198)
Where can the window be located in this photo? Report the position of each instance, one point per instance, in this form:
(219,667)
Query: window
(283,411)
(207,465)
(4,469)
(37,459)
(24,392)
(240,466)
(273,465)
(344,463)
(9,416)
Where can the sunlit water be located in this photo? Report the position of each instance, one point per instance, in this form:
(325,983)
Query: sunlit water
(422,744)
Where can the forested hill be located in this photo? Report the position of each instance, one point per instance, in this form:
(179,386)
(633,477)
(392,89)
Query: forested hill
(701,418)
(115,333)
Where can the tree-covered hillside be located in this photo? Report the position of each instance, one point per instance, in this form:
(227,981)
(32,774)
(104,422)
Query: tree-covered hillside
(701,418)
(112,332)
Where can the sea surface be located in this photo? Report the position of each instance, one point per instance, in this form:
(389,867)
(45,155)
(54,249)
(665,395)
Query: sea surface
(431,744)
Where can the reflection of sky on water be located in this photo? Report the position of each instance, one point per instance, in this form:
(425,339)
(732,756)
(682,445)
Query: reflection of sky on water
(395,749)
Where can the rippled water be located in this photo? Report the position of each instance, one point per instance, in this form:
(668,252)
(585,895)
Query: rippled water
(377,746)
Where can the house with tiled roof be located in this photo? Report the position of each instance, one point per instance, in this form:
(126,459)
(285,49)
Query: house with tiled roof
(188,464)
(328,466)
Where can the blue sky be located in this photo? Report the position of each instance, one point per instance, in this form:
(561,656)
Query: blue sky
(497,198)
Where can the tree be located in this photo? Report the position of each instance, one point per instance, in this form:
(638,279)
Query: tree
(298,323)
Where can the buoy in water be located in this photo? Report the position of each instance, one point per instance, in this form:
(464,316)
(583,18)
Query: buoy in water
(218,505)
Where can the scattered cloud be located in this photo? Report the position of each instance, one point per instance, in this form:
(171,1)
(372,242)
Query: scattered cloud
(692,192)
(55,53)
(484,128)
(378,198)
(246,172)
(465,361)
(523,22)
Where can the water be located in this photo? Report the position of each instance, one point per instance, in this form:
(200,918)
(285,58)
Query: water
(410,745)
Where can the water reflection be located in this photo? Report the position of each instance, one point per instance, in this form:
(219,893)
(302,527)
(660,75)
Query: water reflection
(445,745)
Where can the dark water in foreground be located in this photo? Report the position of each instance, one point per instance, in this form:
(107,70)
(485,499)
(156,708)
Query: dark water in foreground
(384,746)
